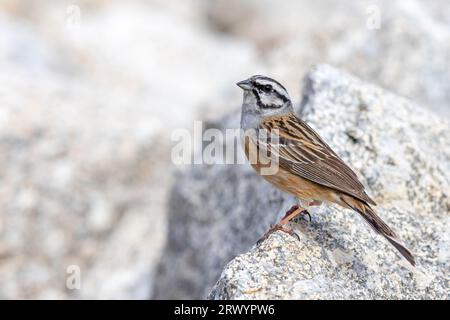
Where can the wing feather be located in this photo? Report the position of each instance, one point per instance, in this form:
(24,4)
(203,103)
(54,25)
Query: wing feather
(304,153)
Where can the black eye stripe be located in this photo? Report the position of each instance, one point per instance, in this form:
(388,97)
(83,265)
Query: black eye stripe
(259,77)
(265,106)
(263,87)
(282,97)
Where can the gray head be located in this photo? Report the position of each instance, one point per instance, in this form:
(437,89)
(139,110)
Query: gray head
(263,97)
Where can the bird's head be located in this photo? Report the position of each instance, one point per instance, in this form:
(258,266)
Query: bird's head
(264,95)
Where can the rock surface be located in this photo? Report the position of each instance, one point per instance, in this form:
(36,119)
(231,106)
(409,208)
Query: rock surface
(85,138)
(399,150)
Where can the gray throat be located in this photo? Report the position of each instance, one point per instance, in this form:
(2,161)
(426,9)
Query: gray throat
(250,120)
(251,115)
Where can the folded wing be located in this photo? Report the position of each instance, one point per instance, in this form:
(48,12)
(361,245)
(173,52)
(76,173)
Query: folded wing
(301,151)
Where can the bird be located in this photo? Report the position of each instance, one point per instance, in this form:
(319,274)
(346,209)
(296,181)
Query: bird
(306,166)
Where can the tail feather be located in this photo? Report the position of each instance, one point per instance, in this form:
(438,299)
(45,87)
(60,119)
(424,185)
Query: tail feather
(379,226)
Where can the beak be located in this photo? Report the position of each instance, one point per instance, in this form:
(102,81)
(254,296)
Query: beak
(245,84)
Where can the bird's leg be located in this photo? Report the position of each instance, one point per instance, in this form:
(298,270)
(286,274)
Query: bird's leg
(294,211)
(276,227)
(281,225)
(304,212)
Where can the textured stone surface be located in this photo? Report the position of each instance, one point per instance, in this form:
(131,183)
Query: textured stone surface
(85,121)
(399,150)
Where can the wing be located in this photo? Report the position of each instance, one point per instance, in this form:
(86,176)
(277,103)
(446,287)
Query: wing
(302,152)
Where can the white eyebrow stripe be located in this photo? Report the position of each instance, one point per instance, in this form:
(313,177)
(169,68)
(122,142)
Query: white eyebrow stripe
(274,85)
(264,82)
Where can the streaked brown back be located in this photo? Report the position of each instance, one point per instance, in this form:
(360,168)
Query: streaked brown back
(304,153)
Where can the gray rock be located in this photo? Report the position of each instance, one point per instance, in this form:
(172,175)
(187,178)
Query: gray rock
(399,150)
(85,131)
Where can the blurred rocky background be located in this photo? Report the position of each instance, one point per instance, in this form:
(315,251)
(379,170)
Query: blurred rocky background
(90,92)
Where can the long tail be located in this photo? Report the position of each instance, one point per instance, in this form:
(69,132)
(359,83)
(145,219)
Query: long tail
(378,225)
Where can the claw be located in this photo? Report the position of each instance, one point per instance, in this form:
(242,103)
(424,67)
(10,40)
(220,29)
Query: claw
(295,207)
(277,227)
(307,213)
(304,213)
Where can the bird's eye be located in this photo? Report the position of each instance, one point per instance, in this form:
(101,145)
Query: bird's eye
(267,88)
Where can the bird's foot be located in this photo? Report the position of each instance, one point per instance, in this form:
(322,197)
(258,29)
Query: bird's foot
(292,210)
(307,213)
(277,227)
